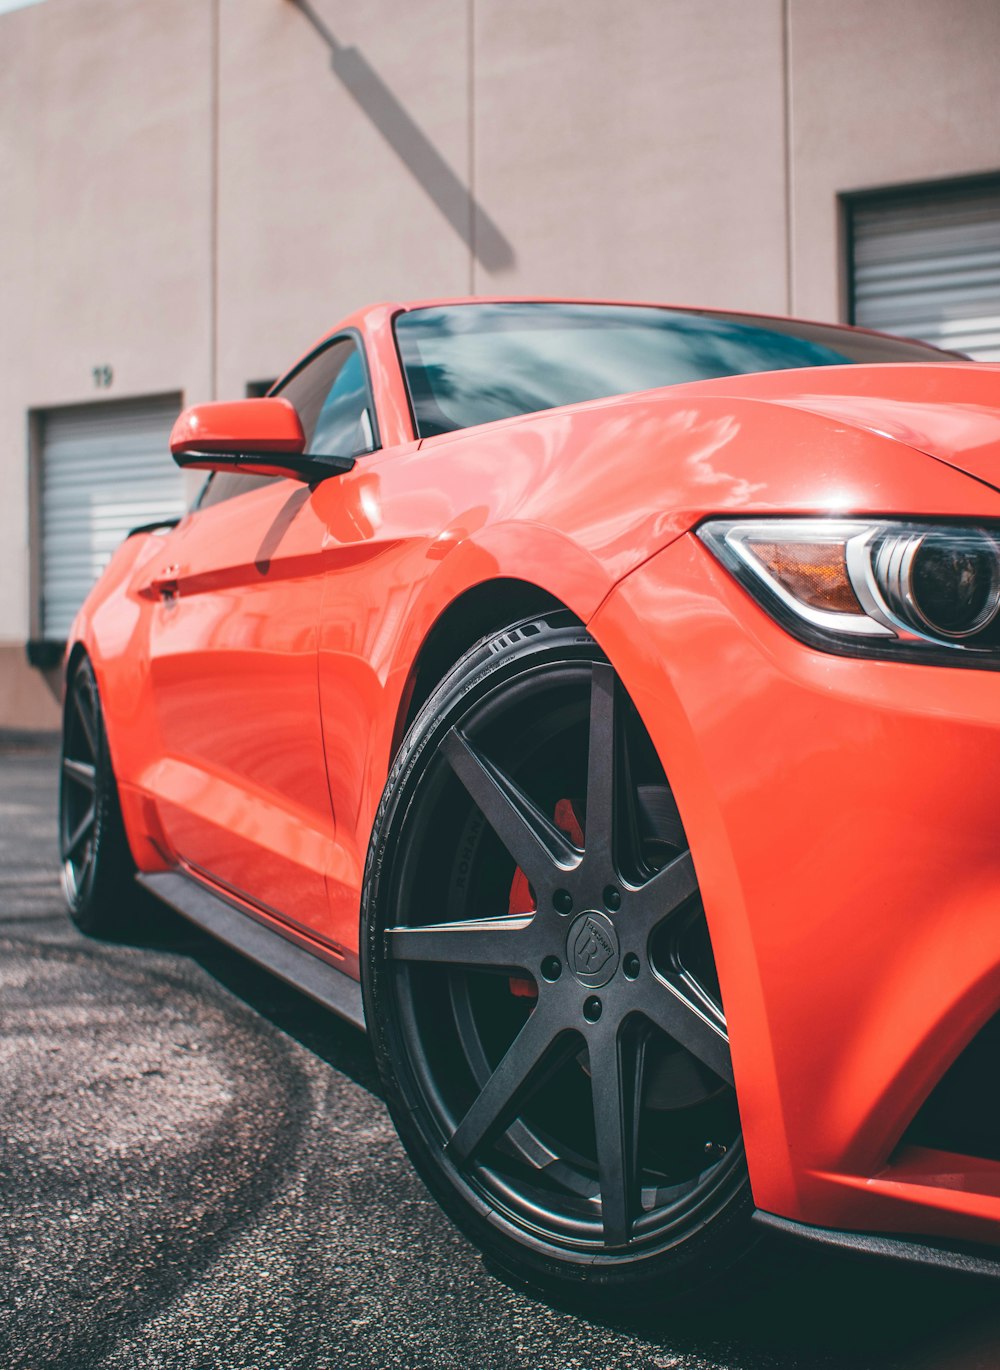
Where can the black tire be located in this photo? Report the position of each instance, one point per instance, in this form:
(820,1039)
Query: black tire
(533,1061)
(98,873)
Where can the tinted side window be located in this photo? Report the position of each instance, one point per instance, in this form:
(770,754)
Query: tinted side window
(333,402)
(335,407)
(223,485)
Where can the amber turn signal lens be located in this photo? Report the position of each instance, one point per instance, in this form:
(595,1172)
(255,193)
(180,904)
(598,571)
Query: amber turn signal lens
(814,572)
(881,587)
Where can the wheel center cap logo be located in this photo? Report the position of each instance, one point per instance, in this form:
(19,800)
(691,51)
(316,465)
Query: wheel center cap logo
(592,949)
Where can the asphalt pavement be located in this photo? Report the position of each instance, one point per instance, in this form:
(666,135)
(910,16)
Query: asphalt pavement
(196,1171)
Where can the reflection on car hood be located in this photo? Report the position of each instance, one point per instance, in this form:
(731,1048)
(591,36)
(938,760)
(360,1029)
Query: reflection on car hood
(949,410)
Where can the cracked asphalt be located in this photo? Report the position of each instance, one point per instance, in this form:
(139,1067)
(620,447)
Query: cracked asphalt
(196,1171)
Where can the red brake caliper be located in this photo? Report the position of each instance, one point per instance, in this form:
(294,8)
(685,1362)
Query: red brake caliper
(521,900)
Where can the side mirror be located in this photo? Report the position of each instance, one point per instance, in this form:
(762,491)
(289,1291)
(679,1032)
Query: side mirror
(261,437)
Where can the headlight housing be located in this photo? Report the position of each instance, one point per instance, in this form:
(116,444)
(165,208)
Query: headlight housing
(872,587)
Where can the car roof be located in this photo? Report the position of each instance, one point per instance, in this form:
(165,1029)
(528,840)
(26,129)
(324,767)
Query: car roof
(361,316)
(371,319)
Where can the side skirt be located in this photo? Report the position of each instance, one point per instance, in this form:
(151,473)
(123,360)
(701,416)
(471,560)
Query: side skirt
(964,1258)
(313,976)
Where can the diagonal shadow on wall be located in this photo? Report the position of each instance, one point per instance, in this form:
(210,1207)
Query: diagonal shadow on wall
(414,149)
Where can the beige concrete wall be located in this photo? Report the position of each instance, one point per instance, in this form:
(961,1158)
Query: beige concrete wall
(380,152)
(104,238)
(318,211)
(28,698)
(881,93)
(634,150)
(193,190)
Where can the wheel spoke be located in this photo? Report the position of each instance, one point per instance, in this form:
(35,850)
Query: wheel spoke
(689,1024)
(662,896)
(530,1060)
(81,771)
(81,831)
(86,722)
(494,943)
(498,1080)
(601,763)
(537,846)
(518,1136)
(616,1071)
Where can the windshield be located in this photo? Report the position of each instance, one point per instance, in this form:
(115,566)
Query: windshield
(470,364)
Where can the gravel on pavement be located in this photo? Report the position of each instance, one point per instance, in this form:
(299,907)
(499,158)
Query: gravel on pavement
(196,1170)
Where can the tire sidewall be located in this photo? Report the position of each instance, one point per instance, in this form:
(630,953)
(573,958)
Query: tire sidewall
(490,666)
(95,905)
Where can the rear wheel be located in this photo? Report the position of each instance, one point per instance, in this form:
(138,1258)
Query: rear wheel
(97,867)
(540,984)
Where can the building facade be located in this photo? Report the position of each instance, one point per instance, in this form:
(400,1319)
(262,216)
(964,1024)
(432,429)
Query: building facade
(194,190)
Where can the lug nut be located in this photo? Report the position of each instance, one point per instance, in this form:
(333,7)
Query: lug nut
(563,901)
(612,898)
(551,968)
(592,1009)
(631,966)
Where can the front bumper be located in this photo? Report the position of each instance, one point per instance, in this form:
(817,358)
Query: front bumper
(963,1259)
(843,816)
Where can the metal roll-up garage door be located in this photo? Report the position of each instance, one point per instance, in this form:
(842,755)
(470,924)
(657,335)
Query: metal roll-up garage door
(927,265)
(105,469)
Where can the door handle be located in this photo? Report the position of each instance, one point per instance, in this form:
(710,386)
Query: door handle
(166,583)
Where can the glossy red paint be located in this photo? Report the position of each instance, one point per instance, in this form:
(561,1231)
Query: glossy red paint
(856,935)
(261,425)
(897,907)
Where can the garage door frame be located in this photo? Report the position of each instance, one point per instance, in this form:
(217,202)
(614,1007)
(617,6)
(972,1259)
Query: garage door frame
(46,652)
(871,197)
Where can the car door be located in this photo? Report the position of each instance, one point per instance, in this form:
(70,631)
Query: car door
(241,787)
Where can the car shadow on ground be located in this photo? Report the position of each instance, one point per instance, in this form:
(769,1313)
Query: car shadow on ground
(338,1043)
(803,1308)
(799,1305)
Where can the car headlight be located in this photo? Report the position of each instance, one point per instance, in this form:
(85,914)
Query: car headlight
(872,587)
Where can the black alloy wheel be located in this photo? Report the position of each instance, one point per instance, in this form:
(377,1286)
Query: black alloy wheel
(97,867)
(539,980)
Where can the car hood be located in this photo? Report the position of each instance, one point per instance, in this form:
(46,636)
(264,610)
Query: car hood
(949,410)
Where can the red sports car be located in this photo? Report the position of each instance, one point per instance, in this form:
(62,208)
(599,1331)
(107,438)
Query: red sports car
(611,690)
